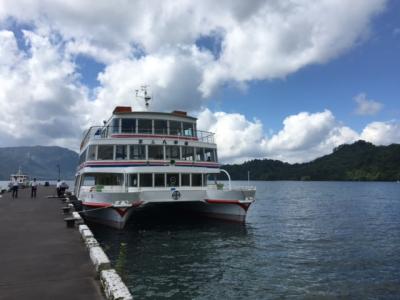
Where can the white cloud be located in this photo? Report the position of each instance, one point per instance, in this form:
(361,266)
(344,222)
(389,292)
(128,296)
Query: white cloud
(174,76)
(237,138)
(282,37)
(382,133)
(40,100)
(259,39)
(367,106)
(304,136)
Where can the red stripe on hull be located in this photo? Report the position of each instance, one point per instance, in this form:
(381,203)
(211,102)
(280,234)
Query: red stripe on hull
(245,206)
(121,211)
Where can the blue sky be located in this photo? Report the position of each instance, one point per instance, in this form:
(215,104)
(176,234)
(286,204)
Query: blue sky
(373,67)
(289,80)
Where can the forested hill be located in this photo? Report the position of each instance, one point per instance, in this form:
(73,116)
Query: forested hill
(358,161)
(38,161)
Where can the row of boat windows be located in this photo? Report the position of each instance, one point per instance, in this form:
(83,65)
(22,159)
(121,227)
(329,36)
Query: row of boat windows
(145,179)
(169,127)
(148,152)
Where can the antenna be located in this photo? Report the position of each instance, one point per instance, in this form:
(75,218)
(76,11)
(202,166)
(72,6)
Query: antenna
(142,93)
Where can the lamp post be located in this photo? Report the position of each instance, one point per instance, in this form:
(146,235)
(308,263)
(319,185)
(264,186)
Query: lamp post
(59,172)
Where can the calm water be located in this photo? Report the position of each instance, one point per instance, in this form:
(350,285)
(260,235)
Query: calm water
(301,240)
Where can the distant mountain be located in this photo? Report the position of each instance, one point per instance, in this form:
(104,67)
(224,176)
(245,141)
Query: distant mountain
(38,161)
(358,161)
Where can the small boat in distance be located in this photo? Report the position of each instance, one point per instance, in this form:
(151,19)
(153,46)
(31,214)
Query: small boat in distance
(22,179)
(143,159)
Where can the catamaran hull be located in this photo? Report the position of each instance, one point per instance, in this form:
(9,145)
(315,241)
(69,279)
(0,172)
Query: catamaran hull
(112,217)
(225,205)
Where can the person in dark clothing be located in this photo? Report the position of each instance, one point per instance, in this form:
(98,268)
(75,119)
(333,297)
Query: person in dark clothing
(34,186)
(58,186)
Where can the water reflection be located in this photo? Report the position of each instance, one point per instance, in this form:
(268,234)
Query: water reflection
(169,255)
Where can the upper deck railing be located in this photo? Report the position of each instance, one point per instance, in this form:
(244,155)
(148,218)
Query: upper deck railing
(107,132)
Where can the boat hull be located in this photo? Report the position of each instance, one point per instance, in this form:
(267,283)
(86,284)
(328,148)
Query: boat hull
(112,217)
(115,209)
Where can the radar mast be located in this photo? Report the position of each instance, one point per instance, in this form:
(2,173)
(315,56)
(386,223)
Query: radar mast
(143,94)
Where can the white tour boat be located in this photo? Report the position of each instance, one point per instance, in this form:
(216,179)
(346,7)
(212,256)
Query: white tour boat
(22,179)
(141,159)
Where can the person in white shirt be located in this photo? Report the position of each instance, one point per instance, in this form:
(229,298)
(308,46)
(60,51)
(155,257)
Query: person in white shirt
(15,186)
(34,186)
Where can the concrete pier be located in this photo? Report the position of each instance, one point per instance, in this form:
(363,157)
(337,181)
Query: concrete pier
(39,257)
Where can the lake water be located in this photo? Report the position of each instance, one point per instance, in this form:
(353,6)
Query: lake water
(301,240)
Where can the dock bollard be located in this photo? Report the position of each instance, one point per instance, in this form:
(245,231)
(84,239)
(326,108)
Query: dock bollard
(66,210)
(70,222)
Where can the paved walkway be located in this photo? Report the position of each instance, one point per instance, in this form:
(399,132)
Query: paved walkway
(39,257)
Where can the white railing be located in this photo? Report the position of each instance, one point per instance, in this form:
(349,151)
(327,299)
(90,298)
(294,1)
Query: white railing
(106,132)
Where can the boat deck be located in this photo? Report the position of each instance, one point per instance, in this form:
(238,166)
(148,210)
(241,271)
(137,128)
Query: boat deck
(40,257)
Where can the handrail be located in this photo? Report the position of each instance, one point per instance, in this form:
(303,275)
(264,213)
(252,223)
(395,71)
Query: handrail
(106,132)
(229,178)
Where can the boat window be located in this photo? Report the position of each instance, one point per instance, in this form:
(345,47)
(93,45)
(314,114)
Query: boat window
(174,128)
(145,126)
(194,130)
(209,154)
(110,179)
(200,154)
(156,152)
(196,180)
(187,129)
(92,152)
(185,179)
(172,152)
(205,179)
(88,180)
(188,153)
(121,152)
(115,126)
(159,179)
(146,180)
(105,152)
(173,179)
(133,180)
(137,152)
(82,157)
(160,126)
(128,125)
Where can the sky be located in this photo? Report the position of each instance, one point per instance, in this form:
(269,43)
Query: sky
(288,79)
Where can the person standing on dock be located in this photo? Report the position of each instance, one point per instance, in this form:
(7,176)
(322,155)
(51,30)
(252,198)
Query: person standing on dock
(15,186)
(58,188)
(34,185)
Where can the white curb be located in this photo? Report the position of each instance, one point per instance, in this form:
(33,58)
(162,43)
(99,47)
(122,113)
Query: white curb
(91,242)
(83,227)
(86,234)
(113,286)
(99,258)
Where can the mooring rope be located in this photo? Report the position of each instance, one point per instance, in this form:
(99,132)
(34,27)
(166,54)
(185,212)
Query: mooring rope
(88,210)
(93,209)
